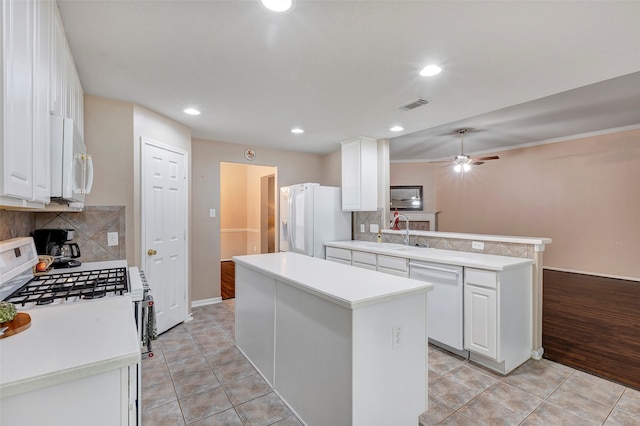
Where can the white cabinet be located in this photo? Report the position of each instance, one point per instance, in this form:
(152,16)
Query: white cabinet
(360,174)
(364,260)
(66,94)
(24,119)
(392,265)
(498,317)
(338,255)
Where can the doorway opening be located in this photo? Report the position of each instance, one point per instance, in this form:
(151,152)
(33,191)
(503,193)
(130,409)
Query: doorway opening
(247,216)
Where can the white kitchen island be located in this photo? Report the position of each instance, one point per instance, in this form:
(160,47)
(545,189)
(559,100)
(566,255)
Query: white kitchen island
(340,345)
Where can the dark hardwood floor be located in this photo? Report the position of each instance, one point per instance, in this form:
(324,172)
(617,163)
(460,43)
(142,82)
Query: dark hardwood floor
(593,324)
(227,279)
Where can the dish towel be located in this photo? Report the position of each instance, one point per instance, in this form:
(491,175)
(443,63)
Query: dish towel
(151,330)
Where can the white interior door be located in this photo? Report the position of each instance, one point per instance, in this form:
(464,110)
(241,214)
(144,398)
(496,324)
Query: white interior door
(164,226)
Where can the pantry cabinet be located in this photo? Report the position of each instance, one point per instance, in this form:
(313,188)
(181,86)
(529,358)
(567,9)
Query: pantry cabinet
(360,174)
(25,104)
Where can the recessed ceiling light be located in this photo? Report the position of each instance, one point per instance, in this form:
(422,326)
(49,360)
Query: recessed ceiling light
(397,129)
(297,130)
(192,111)
(430,70)
(277,5)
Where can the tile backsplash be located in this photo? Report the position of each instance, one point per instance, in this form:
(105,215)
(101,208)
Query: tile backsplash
(91,226)
(445,243)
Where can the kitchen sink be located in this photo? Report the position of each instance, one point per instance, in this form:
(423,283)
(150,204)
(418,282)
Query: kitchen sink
(411,248)
(384,245)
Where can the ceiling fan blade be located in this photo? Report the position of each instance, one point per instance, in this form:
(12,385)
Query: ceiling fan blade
(477,163)
(493,157)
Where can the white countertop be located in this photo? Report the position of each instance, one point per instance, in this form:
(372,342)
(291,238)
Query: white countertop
(474,260)
(67,342)
(341,284)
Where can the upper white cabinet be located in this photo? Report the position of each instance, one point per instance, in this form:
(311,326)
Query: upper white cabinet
(360,174)
(25,105)
(39,79)
(66,94)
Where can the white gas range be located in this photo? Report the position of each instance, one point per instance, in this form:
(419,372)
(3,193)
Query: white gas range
(87,298)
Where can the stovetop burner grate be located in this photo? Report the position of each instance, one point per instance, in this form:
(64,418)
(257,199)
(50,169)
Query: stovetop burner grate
(69,286)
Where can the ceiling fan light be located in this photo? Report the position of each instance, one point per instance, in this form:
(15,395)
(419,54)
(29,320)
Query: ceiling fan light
(466,167)
(457,168)
(277,5)
(430,70)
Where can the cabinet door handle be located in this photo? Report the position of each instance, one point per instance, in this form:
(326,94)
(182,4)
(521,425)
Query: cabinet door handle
(433,268)
(151,252)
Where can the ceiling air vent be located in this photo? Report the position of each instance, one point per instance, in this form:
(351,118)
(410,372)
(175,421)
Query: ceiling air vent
(414,104)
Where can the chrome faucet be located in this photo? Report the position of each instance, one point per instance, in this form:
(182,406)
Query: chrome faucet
(406,233)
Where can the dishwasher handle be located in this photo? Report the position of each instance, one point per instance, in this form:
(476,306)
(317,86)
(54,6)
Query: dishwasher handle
(434,268)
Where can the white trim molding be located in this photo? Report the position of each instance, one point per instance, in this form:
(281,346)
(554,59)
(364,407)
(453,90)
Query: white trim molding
(206,302)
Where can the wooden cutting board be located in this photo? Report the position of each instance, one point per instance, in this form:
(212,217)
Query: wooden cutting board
(19,323)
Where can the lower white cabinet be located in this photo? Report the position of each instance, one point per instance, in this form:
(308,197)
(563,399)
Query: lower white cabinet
(498,317)
(481,314)
(392,265)
(338,255)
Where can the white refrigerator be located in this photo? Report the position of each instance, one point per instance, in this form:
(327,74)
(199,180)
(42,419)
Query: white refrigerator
(311,215)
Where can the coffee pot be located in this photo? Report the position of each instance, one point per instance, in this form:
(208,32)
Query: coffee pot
(53,242)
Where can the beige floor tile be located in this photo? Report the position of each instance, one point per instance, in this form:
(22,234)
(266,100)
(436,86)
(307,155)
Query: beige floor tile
(164,415)
(514,399)
(193,383)
(157,395)
(436,413)
(233,371)
(441,362)
(226,418)
(457,419)
(472,379)
(487,412)
(154,375)
(265,410)
(173,357)
(589,410)
(621,418)
(547,414)
(630,402)
(536,379)
(188,365)
(204,404)
(594,388)
(246,389)
(289,421)
(451,392)
(225,356)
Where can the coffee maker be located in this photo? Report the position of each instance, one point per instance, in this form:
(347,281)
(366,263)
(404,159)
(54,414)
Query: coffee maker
(53,242)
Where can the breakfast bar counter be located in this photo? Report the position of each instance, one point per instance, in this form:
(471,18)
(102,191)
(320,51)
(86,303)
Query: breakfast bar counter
(340,345)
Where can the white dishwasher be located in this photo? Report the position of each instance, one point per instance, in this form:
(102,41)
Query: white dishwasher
(445,302)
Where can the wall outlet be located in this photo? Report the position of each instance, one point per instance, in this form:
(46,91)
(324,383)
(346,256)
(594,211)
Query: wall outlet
(396,337)
(373,227)
(362,227)
(212,212)
(477,245)
(112,238)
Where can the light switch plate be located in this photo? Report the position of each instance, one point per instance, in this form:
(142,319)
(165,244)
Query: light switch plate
(373,227)
(362,227)
(112,238)
(212,212)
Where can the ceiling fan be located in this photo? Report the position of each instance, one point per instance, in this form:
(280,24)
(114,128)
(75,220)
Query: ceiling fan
(462,162)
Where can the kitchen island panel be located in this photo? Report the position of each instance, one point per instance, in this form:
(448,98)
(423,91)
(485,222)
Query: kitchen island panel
(313,351)
(255,314)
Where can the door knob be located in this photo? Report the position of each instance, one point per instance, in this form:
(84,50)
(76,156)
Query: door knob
(151,252)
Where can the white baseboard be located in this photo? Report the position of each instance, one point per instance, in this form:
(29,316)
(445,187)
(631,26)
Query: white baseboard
(537,353)
(205,302)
